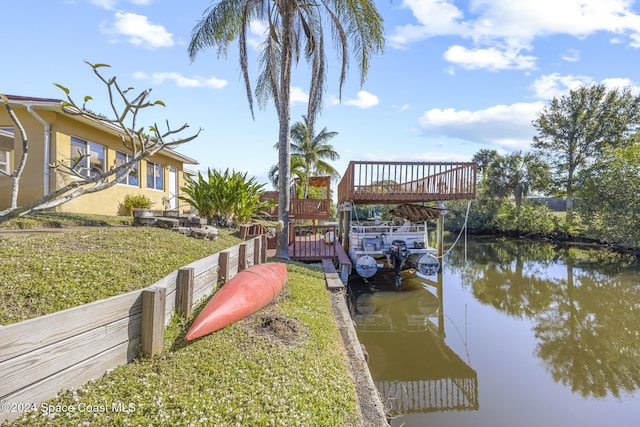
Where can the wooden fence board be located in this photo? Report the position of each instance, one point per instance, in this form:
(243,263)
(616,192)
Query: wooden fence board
(18,338)
(75,376)
(26,369)
(41,356)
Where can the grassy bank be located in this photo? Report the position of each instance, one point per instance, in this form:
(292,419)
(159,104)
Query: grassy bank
(284,365)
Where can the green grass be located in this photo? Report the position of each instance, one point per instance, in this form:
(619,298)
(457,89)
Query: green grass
(61,220)
(247,374)
(241,375)
(46,272)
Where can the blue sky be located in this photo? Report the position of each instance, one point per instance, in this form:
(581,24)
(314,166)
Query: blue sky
(455,76)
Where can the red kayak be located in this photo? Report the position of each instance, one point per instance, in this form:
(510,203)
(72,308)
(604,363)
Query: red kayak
(246,293)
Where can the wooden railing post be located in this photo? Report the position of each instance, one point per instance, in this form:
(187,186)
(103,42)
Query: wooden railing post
(152,333)
(223,264)
(184,292)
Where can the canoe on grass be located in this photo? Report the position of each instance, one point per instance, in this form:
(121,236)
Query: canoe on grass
(247,292)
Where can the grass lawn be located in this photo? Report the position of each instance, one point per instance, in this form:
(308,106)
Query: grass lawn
(284,365)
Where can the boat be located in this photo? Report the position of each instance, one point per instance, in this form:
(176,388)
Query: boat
(247,292)
(375,245)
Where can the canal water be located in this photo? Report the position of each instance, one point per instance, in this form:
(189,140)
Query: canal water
(512,333)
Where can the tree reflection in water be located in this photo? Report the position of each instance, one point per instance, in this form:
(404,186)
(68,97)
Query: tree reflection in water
(587,322)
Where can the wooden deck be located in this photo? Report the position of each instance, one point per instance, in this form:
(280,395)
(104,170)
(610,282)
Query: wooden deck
(406,182)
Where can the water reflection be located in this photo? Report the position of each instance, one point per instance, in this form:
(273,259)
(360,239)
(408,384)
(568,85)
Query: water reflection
(584,304)
(403,333)
(554,333)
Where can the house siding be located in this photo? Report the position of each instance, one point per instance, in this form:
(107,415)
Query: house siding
(63,127)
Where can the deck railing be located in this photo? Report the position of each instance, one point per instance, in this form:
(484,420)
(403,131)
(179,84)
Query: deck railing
(402,182)
(313,242)
(310,209)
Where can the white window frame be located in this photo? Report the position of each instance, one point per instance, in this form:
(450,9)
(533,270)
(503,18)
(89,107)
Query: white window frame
(84,168)
(136,175)
(158,172)
(5,157)
(4,161)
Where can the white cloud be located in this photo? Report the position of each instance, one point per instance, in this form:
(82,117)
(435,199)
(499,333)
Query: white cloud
(492,58)
(553,85)
(139,31)
(111,4)
(571,55)
(298,95)
(364,100)
(401,108)
(556,85)
(506,126)
(504,28)
(182,81)
(257,34)
(104,4)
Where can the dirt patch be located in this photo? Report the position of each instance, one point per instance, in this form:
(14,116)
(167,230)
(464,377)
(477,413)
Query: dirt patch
(285,329)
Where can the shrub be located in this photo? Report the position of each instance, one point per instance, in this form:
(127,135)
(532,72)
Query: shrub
(136,201)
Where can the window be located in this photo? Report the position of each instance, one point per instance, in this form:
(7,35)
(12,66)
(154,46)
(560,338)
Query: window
(155,176)
(6,146)
(134,174)
(4,161)
(87,158)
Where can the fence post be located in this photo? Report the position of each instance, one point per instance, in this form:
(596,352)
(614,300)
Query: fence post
(265,244)
(223,264)
(242,257)
(257,249)
(152,333)
(184,292)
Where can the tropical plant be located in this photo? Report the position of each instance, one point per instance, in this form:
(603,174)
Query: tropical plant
(294,29)
(297,172)
(574,130)
(226,198)
(135,140)
(314,150)
(309,154)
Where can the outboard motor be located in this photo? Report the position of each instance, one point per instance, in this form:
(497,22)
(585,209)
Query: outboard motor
(399,254)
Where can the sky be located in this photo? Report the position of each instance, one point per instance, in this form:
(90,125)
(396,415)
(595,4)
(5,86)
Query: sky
(455,76)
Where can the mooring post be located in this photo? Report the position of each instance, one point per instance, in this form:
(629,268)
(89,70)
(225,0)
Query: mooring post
(440,239)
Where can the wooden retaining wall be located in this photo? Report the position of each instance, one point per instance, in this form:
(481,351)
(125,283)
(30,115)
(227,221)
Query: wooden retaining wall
(40,357)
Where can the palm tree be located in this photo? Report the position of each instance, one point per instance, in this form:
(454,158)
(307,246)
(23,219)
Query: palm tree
(516,175)
(309,154)
(297,171)
(295,28)
(313,149)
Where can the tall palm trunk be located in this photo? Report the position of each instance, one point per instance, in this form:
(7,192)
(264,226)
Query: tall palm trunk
(284,143)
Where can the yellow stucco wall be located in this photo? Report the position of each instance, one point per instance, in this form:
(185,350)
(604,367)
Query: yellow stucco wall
(63,127)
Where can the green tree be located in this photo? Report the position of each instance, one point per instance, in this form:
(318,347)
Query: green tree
(609,206)
(312,152)
(296,171)
(516,175)
(484,158)
(294,29)
(575,128)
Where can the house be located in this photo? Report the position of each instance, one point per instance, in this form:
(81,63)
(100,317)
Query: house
(54,136)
